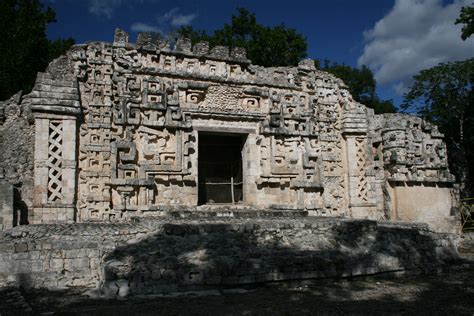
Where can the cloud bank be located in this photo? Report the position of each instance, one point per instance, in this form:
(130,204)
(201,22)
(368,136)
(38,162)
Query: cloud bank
(414,35)
(171,19)
(143,27)
(175,18)
(107,8)
(104,8)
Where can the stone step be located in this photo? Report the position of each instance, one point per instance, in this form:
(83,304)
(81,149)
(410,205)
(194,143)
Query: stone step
(236,213)
(230,211)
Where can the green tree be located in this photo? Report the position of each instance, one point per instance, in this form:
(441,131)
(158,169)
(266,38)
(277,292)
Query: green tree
(466,17)
(282,46)
(266,46)
(361,84)
(24,47)
(194,35)
(444,95)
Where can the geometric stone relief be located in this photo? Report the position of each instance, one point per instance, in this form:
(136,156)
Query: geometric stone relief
(54,162)
(362,185)
(412,150)
(290,160)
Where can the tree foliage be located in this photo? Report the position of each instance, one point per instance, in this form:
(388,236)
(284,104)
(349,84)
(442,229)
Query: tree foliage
(361,84)
(282,46)
(266,46)
(24,47)
(444,95)
(466,17)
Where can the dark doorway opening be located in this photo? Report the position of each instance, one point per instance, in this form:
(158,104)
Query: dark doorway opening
(220,168)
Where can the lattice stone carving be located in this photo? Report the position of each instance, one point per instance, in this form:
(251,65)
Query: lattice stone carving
(362,185)
(54,162)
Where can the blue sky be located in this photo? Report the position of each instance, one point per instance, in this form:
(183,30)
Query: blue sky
(395,38)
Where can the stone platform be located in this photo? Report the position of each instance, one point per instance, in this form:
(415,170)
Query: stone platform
(153,255)
(220,211)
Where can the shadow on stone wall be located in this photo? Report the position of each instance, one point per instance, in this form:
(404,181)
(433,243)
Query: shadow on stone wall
(208,255)
(20,209)
(229,254)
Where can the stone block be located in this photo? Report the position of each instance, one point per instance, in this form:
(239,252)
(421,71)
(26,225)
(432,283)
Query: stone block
(76,264)
(201,48)
(6,205)
(56,264)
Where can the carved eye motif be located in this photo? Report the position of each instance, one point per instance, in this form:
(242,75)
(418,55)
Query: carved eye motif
(154,98)
(194,97)
(94,188)
(153,86)
(93,163)
(251,102)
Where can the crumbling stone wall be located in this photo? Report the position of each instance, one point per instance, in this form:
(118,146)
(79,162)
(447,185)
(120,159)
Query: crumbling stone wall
(16,159)
(156,256)
(418,184)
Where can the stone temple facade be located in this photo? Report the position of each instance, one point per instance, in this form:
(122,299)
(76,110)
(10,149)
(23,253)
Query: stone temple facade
(113,131)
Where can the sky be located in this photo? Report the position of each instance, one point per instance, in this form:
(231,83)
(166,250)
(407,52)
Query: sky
(394,38)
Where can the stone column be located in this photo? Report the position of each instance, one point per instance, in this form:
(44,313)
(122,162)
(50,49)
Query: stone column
(360,177)
(55,104)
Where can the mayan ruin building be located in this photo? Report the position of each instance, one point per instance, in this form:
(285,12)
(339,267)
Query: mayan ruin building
(124,130)
(119,133)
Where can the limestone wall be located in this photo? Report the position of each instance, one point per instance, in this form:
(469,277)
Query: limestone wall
(55,256)
(156,256)
(16,162)
(431,204)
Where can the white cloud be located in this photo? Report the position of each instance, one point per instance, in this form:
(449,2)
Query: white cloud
(414,35)
(104,8)
(181,20)
(143,27)
(164,22)
(167,16)
(175,18)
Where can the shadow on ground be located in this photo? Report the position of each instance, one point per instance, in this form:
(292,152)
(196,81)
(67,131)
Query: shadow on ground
(377,295)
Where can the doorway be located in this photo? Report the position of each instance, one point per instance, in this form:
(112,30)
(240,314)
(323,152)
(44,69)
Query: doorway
(220,178)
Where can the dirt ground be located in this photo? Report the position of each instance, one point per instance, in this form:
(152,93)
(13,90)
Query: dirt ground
(376,295)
